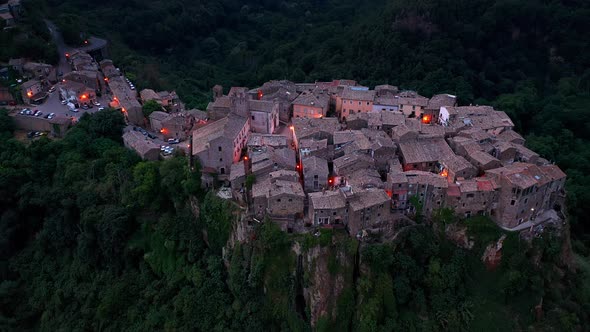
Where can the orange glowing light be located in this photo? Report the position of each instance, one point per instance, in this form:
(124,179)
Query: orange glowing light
(86,42)
(330,181)
(106,79)
(84,96)
(444,173)
(30,94)
(245,158)
(123,110)
(292,128)
(260,94)
(426,119)
(297,166)
(67,55)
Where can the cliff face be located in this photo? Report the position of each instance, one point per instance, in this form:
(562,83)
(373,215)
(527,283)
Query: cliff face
(327,269)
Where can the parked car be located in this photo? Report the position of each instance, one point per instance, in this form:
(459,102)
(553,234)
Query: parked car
(52,89)
(173,141)
(63,102)
(101,108)
(38,113)
(75,110)
(150,135)
(51,115)
(30,134)
(85,106)
(96,103)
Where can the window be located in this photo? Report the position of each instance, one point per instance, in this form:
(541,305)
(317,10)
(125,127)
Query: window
(470,195)
(367,103)
(334,213)
(315,176)
(359,102)
(253,117)
(278,200)
(290,200)
(220,159)
(222,170)
(219,148)
(512,202)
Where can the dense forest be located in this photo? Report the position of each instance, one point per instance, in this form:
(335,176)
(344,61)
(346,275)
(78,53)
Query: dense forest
(92,238)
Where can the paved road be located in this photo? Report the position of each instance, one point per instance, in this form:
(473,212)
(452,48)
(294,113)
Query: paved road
(62,48)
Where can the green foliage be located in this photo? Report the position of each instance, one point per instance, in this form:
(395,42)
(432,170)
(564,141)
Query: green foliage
(149,107)
(217,218)
(6,124)
(250,180)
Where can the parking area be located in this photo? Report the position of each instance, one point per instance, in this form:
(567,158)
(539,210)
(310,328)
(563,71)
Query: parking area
(53,104)
(183,146)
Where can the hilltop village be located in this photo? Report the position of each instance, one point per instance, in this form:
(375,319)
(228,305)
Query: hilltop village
(324,154)
(336,154)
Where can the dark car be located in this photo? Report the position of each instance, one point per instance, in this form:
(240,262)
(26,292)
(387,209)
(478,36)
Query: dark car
(30,134)
(152,136)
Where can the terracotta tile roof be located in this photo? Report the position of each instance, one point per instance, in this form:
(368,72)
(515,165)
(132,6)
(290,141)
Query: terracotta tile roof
(444,99)
(327,200)
(365,178)
(229,127)
(313,144)
(511,136)
(159,116)
(315,164)
(482,158)
(355,94)
(266,106)
(426,150)
(420,177)
(368,198)
(456,163)
(305,128)
(316,98)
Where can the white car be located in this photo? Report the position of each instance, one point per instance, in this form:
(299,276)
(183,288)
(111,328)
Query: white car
(63,102)
(96,103)
(52,89)
(101,108)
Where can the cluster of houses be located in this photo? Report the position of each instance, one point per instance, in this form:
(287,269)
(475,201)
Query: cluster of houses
(335,154)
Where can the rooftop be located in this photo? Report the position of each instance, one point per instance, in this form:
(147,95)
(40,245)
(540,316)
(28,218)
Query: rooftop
(327,200)
(424,150)
(228,127)
(316,98)
(315,164)
(437,101)
(368,198)
(354,94)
